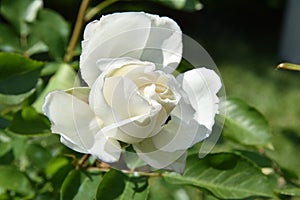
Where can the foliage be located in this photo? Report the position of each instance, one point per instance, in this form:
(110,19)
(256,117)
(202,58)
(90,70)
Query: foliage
(248,162)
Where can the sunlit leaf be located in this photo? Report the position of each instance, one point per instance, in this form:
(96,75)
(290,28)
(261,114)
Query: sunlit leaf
(136,188)
(291,191)
(28,122)
(63,79)
(55,164)
(53,30)
(245,124)
(88,187)
(226,175)
(13,179)
(70,185)
(50,68)
(111,186)
(57,170)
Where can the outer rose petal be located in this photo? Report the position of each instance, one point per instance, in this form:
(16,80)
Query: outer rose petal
(201,86)
(73,146)
(182,131)
(128,35)
(179,135)
(106,149)
(72,119)
(154,157)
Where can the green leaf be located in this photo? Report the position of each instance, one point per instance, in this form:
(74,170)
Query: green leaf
(88,187)
(185,5)
(13,102)
(5,147)
(17,73)
(19,145)
(63,79)
(14,180)
(18,12)
(291,191)
(111,186)
(35,45)
(57,38)
(136,188)
(245,124)
(14,64)
(158,185)
(57,170)
(50,68)
(5,144)
(28,122)
(4,123)
(9,39)
(70,185)
(286,144)
(38,156)
(226,175)
(54,165)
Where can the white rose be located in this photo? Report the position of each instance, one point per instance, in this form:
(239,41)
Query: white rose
(132,97)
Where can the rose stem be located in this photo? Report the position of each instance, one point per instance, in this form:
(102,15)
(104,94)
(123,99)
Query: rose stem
(81,19)
(77,30)
(82,161)
(97,9)
(150,174)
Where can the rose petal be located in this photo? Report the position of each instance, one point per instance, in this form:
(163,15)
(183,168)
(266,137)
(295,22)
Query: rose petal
(179,135)
(182,131)
(73,146)
(113,36)
(201,86)
(123,66)
(122,95)
(72,119)
(179,165)
(154,157)
(164,45)
(129,35)
(135,129)
(106,149)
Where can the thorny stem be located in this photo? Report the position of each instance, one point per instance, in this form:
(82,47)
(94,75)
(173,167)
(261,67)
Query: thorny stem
(77,30)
